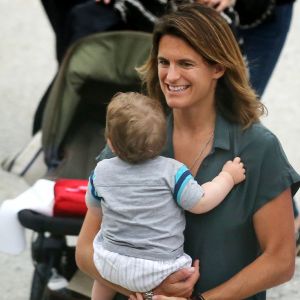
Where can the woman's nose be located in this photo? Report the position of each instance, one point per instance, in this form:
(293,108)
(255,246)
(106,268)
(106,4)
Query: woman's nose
(172,73)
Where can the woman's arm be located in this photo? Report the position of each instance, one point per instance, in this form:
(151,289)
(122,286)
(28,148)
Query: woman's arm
(273,225)
(104,1)
(84,249)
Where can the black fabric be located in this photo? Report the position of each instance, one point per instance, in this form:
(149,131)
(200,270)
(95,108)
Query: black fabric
(137,20)
(63,294)
(72,20)
(89,18)
(57,12)
(38,115)
(253,12)
(284,1)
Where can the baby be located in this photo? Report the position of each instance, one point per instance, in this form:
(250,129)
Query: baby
(142,197)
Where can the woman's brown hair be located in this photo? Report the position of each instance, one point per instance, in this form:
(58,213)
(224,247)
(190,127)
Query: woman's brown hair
(135,126)
(207,32)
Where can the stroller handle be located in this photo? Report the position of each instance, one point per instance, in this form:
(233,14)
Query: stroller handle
(54,225)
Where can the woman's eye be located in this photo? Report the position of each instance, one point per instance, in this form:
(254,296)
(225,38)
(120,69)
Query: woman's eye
(163,62)
(186,64)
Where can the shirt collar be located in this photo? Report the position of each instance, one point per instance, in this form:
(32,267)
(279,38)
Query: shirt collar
(222,133)
(221,138)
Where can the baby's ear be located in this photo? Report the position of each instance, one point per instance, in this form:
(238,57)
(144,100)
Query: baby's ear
(110,145)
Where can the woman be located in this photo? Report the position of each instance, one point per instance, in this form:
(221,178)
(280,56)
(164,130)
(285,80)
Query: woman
(196,68)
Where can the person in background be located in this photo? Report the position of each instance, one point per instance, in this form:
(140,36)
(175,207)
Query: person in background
(142,14)
(148,201)
(197,70)
(264,41)
(72,20)
(263,32)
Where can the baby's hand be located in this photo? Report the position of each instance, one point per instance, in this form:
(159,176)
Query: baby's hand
(236,169)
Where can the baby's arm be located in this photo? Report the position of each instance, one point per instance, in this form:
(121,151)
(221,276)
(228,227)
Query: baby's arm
(102,292)
(215,191)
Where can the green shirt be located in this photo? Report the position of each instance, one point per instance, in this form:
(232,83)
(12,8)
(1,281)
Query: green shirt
(224,239)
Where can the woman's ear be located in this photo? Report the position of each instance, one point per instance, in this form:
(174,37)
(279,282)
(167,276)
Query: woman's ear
(219,71)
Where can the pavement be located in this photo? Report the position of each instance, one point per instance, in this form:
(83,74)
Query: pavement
(27,61)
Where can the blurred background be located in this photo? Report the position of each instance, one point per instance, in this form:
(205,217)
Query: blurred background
(28,64)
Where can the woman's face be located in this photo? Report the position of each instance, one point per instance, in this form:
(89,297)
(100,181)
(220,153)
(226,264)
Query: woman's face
(185,78)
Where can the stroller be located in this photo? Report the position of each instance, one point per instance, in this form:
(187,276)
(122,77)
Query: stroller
(93,70)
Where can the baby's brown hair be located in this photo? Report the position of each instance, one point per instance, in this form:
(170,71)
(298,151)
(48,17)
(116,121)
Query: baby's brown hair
(135,127)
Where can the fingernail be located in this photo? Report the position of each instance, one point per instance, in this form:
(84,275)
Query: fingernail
(191,269)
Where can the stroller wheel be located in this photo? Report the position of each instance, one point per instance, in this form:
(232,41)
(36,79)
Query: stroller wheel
(39,281)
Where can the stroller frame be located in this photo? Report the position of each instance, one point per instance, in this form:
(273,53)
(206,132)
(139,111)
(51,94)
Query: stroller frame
(93,70)
(49,249)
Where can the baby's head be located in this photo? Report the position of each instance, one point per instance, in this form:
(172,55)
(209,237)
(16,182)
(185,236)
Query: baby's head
(135,127)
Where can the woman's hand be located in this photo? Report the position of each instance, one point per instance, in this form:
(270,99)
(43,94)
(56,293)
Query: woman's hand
(161,297)
(180,283)
(178,286)
(139,296)
(218,5)
(104,1)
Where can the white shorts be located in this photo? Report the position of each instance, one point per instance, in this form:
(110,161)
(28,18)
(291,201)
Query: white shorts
(136,274)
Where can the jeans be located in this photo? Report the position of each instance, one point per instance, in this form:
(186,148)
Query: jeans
(263,45)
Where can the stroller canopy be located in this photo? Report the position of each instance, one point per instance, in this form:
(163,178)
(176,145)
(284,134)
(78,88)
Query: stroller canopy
(93,70)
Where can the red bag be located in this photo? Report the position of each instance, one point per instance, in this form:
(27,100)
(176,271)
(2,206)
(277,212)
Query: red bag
(69,197)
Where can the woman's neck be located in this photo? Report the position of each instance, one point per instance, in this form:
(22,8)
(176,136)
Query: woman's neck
(194,121)
(193,136)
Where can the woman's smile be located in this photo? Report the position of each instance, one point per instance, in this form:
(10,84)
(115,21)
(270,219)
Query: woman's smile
(177,88)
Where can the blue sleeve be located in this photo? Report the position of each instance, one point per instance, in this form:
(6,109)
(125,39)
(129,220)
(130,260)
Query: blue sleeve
(92,198)
(187,192)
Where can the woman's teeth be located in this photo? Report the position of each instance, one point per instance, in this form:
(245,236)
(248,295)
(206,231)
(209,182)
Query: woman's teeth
(177,88)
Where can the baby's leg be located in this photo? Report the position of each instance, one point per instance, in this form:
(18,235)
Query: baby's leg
(102,292)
